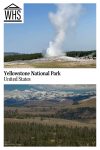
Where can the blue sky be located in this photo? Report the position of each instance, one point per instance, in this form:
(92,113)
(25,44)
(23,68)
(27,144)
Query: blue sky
(34,35)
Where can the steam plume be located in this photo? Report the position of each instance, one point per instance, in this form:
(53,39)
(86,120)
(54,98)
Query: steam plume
(63,19)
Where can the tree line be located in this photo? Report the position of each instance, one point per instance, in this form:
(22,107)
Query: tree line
(81,53)
(15,57)
(32,134)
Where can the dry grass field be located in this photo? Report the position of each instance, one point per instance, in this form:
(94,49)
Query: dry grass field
(51,64)
(54,122)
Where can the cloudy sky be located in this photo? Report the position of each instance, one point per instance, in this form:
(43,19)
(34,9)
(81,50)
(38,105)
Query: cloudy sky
(47,87)
(34,35)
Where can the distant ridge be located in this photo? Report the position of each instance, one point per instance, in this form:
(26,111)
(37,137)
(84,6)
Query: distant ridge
(11,53)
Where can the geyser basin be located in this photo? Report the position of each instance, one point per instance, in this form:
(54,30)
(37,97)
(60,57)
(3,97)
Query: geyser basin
(57,58)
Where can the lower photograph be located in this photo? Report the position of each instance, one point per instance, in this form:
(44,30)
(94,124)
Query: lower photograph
(49,115)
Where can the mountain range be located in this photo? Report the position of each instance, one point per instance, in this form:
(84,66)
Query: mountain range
(32,94)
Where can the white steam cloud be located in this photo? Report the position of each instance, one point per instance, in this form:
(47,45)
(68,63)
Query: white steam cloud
(63,19)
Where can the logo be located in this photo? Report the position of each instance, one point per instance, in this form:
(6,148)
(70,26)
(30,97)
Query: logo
(13,13)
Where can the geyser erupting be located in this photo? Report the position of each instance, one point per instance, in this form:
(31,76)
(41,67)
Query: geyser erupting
(63,19)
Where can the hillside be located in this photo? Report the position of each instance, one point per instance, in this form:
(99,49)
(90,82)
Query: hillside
(53,126)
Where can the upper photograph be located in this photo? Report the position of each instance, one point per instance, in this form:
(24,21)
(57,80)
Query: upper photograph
(52,36)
